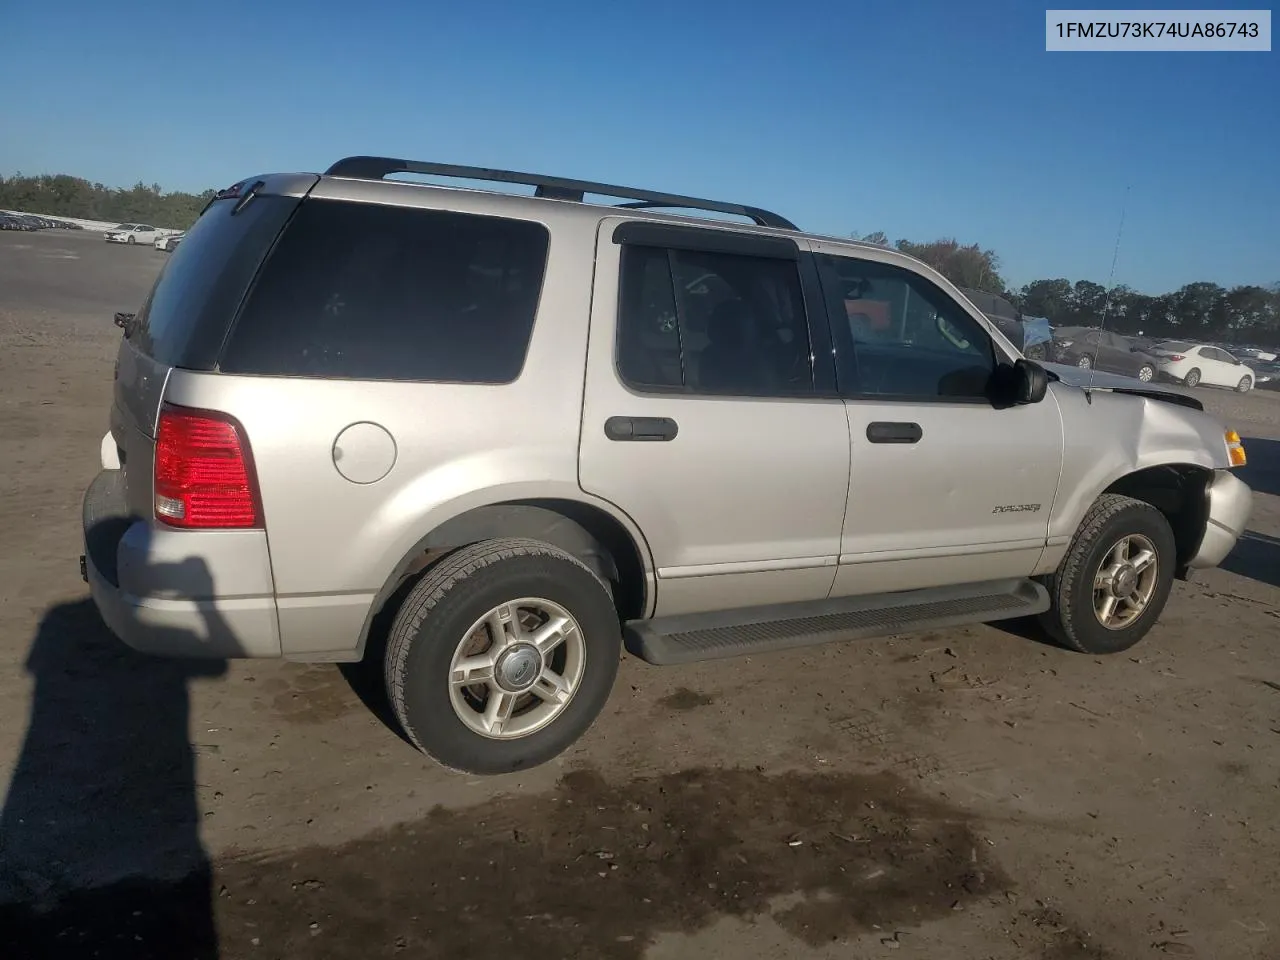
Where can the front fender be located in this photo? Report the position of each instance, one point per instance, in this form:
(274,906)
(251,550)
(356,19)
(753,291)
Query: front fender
(1115,435)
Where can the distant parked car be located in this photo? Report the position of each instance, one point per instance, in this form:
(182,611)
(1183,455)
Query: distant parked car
(1029,334)
(1256,354)
(16,221)
(1196,363)
(132,233)
(1267,375)
(1103,350)
(169,241)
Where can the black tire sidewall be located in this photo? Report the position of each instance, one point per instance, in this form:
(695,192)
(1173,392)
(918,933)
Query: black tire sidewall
(1090,635)
(427,707)
(1245,384)
(1189,382)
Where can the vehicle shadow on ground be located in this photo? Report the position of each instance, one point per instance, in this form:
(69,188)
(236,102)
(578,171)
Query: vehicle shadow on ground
(365,678)
(1262,472)
(1256,556)
(100,853)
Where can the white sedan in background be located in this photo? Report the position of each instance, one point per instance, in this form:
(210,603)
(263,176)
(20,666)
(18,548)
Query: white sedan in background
(132,233)
(1199,363)
(169,241)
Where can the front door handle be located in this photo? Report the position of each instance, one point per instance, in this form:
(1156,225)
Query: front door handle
(640,428)
(887,432)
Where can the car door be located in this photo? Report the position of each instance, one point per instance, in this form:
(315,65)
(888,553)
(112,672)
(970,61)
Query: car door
(709,414)
(1212,366)
(1232,370)
(1120,356)
(1105,358)
(944,487)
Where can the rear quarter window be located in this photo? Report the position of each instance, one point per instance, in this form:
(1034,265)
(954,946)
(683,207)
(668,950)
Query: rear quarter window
(370,292)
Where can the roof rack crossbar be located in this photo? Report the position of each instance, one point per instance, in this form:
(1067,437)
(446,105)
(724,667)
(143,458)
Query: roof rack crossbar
(556,188)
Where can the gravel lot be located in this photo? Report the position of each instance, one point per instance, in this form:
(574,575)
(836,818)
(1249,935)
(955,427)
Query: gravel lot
(966,794)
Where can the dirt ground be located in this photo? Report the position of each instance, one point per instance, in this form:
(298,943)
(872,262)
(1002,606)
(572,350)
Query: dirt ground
(967,794)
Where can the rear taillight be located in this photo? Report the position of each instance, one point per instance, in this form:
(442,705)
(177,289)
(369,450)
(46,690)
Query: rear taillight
(204,474)
(1174,356)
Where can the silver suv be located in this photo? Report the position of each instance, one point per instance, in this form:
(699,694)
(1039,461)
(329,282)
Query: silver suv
(512,434)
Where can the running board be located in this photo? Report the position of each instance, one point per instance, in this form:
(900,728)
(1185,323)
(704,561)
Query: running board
(689,638)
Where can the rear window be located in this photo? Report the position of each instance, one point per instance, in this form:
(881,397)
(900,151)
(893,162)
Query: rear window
(186,316)
(369,292)
(1177,346)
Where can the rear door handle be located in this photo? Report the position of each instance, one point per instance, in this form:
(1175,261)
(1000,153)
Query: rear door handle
(887,432)
(640,428)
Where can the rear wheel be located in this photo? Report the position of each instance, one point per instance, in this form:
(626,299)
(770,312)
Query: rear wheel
(502,656)
(1192,378)
(1085,362)
(1245,385)
(1146,373)
(1115,579)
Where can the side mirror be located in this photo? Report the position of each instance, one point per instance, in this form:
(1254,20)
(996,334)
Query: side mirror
(1031,381)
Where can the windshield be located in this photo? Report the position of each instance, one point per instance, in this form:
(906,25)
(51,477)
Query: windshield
(125,226)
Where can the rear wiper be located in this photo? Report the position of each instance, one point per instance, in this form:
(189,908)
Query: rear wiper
(247,196)
(231,192)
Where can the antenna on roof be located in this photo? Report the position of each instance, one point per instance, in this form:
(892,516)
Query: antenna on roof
(1106,304)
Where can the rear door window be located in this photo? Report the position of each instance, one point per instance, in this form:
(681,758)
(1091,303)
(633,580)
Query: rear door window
(713,323)
(371,292)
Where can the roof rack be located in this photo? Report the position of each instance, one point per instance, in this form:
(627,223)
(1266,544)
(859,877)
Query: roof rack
(553,188)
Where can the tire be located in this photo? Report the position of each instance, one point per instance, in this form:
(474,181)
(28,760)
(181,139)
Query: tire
(130,241)
(1085,362)
(1073,620)
(1245,385)
(1193,377)
(1146,373)
(444,609)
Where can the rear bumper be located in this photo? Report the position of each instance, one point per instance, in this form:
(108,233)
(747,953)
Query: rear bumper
(177,593)
(1229,507)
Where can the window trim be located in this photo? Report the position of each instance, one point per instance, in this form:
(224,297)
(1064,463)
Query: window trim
(854,391)
(648,233)
(822,374)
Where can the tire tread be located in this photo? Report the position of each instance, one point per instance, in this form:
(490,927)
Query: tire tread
(439,581)
(1060,620)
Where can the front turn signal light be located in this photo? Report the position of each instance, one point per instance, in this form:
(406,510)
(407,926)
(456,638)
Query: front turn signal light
(1235,449)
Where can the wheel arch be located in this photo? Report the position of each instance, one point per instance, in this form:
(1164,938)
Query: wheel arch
(1180,492)
(606,543)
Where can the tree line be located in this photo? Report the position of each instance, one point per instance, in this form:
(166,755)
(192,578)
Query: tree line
(60,195)
(1248,314)
(1197,311)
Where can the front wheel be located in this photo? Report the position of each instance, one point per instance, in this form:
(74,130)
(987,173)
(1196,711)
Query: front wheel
(1245,385)
(130,241)
(1115,579)
(1192,378)
(1147,373)
(502,656)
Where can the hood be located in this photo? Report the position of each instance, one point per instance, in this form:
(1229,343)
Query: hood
(1079,377)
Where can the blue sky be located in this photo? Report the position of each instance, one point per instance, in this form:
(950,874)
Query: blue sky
(922,119)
